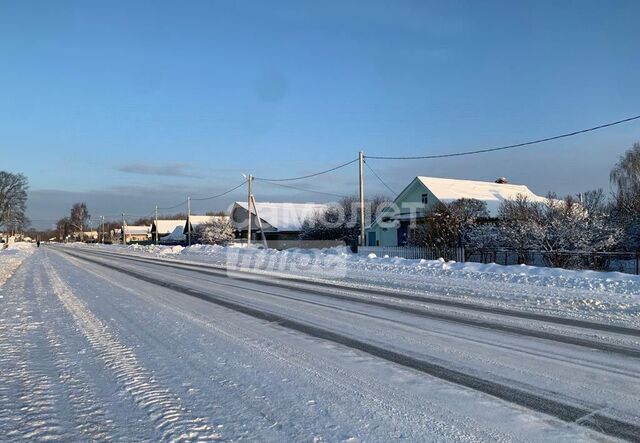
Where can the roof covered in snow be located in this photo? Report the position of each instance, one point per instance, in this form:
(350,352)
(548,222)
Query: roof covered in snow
(137,230)
(177,235)
(167,226)
(283,217)
(493,194)
(197,220)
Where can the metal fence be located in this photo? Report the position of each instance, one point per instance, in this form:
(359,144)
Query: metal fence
(627,262)
(414,252)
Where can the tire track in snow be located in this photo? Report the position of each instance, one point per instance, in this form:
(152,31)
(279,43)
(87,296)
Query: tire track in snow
(29,404)
(89,417)
(529,399)
(169,416)
(393,401)
(292,282)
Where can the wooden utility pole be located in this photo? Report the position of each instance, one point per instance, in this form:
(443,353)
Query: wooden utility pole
(189,221)
(124,238)
(156,224)
(255,208)
(361,177)
(249,201)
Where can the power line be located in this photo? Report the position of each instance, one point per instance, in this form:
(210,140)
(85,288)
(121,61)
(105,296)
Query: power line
(175,206)
(380,179)
(301,189)
(219,195)
(502,148)
(335,168)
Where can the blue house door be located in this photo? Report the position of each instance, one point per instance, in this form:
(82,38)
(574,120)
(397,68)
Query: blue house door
(403,232)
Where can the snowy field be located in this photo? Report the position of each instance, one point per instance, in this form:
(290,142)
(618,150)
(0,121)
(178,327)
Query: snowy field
(159,344)
(599,296)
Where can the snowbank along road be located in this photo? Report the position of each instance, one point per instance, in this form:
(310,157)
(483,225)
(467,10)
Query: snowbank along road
(96,346)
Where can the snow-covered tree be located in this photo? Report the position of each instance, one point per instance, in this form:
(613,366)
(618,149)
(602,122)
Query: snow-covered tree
(482,237)
(217,231)
(341,221)
(557,227)
(448,224)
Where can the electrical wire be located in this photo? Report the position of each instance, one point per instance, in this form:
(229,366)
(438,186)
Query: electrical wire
(301,189)
(220,195)
(335,168)
(380,179)
(502,148)
(184,202)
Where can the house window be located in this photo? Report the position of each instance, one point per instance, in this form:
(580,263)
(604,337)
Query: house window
(425,199)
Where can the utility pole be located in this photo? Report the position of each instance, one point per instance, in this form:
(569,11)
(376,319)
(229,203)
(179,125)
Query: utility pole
(361,175)
(189,220)
(124,239)
(102,228)
(255,208)
(249,198)
(156,224)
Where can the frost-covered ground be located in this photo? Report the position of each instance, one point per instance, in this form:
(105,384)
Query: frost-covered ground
(12,257)
(610,297)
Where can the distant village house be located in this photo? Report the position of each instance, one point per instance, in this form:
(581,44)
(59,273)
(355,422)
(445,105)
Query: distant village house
(281,223)
(393,226)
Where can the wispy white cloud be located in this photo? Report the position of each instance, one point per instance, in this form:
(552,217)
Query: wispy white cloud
(170,169)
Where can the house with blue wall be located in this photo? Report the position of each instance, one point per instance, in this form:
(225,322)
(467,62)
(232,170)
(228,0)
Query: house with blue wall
(392,227)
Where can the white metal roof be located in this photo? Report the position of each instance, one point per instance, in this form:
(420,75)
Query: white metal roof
(285,217)
(199,219)
(137,230)
(493,194)
(167,226)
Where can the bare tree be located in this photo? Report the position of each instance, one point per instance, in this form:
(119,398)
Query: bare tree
(63,228)
(625,176)
(341,221)
(13,201)
(79,217)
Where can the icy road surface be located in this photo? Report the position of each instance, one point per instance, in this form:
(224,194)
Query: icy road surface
(95,346)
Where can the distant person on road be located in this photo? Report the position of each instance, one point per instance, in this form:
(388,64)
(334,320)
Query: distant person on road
(38,243)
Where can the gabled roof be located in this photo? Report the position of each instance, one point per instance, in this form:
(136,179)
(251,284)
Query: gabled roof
(283,217)
(176,235)
(137,230)
(167,226)
(199,219)
(493,194)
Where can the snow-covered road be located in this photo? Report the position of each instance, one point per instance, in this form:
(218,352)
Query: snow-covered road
(99,346)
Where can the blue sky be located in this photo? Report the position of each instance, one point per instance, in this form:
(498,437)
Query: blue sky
(130,104)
